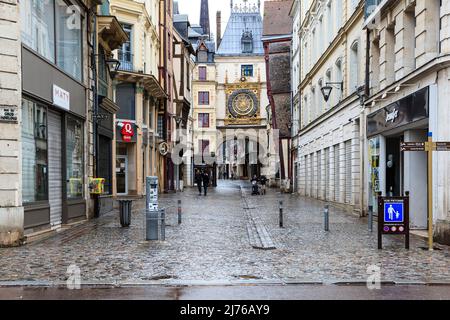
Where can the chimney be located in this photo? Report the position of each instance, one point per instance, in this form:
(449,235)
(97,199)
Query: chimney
(218,28)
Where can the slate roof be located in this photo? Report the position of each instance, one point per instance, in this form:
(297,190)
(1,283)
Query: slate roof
(243,18)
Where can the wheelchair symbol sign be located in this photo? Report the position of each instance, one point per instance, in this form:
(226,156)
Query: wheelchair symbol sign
(393,212)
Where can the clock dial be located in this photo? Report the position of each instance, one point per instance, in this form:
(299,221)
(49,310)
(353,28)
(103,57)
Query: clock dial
(242,103)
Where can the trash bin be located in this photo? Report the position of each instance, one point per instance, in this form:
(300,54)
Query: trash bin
(125,212)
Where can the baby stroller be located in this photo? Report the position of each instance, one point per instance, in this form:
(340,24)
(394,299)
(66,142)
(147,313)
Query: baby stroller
(255,187)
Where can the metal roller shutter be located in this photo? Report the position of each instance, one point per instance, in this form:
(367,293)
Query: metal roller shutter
(55,168)
(348,171)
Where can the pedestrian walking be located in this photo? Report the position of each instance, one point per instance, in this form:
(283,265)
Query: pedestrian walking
(263,181)
(198,181)
(205,178)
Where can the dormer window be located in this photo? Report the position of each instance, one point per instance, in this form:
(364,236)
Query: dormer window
(247,42)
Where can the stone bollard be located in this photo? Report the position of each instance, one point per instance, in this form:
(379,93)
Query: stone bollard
(179,211)
(281,214)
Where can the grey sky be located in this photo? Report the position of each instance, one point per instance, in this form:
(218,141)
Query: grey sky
(192,8)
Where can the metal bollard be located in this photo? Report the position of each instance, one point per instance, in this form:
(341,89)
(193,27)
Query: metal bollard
(281,214)
(370,218)
(179,211)
(326,213)
(163,224)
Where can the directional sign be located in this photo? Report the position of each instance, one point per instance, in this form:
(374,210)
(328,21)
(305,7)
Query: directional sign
(442,146)
(412,146)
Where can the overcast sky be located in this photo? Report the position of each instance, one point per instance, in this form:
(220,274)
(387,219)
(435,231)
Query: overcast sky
(192,8)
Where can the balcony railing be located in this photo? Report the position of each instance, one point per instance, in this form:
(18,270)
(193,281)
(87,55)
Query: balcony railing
(126,61)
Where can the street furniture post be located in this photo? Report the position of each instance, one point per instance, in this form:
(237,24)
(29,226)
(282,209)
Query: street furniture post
(326,214)
(281,214)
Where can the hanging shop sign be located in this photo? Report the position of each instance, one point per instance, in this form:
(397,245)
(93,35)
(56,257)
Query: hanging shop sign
(163,148)
(127,131)
(61,97)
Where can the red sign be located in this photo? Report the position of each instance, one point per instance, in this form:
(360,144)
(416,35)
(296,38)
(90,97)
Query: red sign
(127,131)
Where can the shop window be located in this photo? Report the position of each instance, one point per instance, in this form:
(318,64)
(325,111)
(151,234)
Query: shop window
(160,126)
(38,30)
(34,152)
(68,38)
(203,120)
(203,98)
(247,70)
(125,97)
(74,158)
(38,23)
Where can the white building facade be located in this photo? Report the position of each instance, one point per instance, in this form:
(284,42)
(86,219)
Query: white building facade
(332,57)
(408,99)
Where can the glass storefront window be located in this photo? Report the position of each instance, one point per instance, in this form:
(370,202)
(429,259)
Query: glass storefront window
(374,170)
(34,152)
(37,23)
(74,158)
(68,38)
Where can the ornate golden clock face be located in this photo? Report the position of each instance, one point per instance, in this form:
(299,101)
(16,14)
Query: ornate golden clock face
(242,103)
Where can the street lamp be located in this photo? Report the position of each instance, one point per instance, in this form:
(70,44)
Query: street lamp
(113,65)
(326,90)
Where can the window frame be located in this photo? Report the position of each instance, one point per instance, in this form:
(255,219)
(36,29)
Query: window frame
(203,102)
(201,120)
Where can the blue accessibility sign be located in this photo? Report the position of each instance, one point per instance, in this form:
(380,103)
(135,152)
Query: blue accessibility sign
(393,212)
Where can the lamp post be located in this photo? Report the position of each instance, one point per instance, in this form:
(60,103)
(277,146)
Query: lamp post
(328,88)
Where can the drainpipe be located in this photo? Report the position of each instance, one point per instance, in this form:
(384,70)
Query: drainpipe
(93,47)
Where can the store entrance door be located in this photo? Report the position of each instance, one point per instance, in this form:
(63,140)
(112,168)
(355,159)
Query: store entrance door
(393,167)
(122,175)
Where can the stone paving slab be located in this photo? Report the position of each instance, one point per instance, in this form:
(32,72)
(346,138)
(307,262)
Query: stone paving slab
(212,244)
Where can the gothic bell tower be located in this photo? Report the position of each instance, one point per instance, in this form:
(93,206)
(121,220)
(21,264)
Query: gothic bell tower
(204,18)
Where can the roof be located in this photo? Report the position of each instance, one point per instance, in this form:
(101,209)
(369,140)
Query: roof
(244,18)
(277,20)
(180,18)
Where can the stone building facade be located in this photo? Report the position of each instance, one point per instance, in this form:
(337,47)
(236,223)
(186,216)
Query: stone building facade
(332,56)
(48,111)
(408,97)
(277,42)
(11,207)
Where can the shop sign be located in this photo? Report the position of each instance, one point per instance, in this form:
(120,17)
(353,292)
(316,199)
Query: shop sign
(391,116)
(163,148)
(127,131)
(61,97)
(8,114)
(400,113)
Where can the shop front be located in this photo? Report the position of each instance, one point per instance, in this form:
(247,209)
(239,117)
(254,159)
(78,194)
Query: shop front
(126,157)
(391,171)
(53,144)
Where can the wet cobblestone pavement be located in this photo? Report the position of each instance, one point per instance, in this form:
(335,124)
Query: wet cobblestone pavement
(212,244)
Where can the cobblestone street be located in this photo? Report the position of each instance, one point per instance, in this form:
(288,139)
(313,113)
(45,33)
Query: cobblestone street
(214,244)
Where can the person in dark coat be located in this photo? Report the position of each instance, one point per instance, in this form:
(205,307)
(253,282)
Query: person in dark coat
(205,182)
(198,181)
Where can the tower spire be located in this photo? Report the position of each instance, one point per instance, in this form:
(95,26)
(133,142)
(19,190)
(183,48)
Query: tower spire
(204,18)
